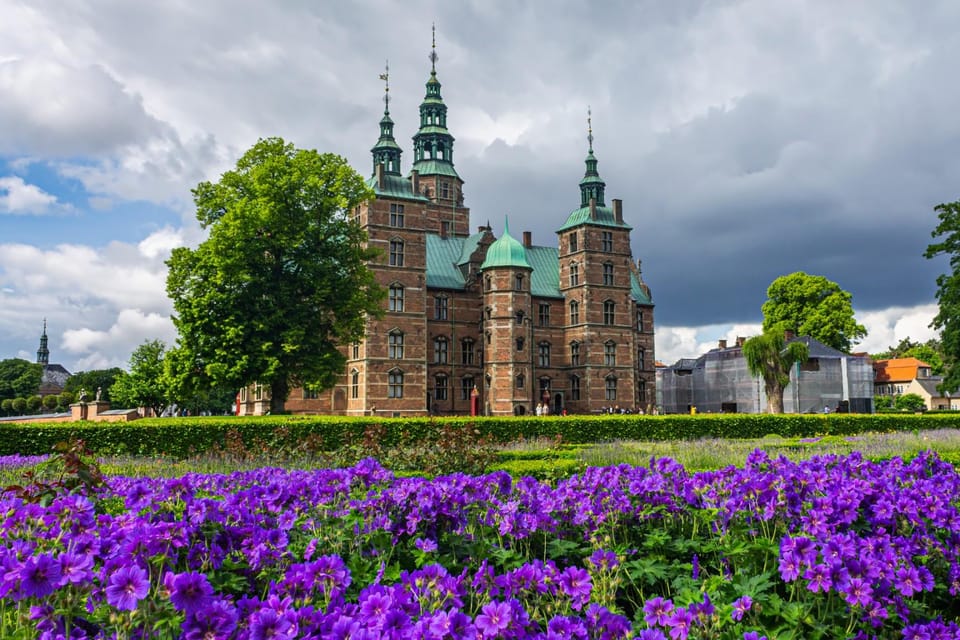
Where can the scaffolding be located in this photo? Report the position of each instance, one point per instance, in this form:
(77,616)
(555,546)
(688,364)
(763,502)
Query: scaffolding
(720,382)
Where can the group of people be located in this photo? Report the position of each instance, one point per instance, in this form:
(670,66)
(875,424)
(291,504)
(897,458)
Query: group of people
(543,409)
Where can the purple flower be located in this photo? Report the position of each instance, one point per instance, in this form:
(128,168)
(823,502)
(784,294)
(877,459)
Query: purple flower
(679,623)
(753,635)
(496,617)
(216,621)
(270,624)
(426,545)
(76,568)
(740,607)
(127,587)
(40,575)
(188,591)
(576,583)
(656,611)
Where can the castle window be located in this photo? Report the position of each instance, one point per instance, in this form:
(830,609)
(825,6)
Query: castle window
(543,311)
(574,387)
(641,358)
(396,253)
(440,307)
(610,388)
(520,343)
(574,274)
(488,283)
(356,350)
(521,381)
(608,274)
(545,387)
(518,282)
(310,394)
(396,215)
(518,316)
(639,319)
(355,384)
(466,387)
(642,392)
(574,354)
(606,241)
(395,297)
(610,354)
(440,350)
(440,387)
(609,309)
(466,351)
(574,312)
(543,353)
(572,241)
(444,187)
(395,341)
(395,384)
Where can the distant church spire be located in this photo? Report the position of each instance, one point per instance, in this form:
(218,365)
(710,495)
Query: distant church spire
(43,353)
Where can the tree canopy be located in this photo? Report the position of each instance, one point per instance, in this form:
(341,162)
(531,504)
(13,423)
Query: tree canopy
(770,357)
(144,385)
(281,282)
(92,380)
(19,378)
(947,320)
(813,306)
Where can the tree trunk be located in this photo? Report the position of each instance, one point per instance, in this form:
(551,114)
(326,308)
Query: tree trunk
(774,398)
(279,390)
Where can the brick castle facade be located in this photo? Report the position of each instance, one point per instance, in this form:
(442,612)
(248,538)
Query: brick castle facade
(475,322)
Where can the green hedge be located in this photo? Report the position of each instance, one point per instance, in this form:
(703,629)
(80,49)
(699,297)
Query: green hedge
(182,437)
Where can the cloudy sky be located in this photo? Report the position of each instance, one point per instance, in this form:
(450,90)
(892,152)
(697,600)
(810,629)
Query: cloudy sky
(747,139)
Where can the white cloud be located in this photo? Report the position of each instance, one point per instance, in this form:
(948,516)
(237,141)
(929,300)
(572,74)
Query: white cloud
(18,197)
(101,349)
(887,327)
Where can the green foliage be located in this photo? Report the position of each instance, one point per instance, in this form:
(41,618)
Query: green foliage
(770,357)
(930,352)
(910,402)
(6,406)
(282,279)
(947,320)
(145,385)
(19,406)
(812,306)
(882,402)
(50,403)
(92,380)
(185,437)
(19,378)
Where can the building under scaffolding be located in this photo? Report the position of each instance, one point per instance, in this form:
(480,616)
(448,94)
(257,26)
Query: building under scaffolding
(719,382)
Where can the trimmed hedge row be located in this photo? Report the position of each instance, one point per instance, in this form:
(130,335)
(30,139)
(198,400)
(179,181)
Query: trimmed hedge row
(183,437)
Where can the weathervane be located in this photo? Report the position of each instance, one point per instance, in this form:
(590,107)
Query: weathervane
(433,49)
(590,128)
(385,76)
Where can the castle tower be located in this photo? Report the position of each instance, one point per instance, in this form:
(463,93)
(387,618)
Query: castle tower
(508,338)
(43,353)
(609,314)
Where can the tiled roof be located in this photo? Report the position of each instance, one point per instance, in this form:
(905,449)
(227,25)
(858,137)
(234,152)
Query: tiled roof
(930,386)
(605,218)
(394,187)
(545,279)
(435,167)
(897,369)
(443,255)
(637,290)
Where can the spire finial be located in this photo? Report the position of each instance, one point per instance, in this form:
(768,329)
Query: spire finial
(44,326)
(433,49)
(506,225)
(385,76)
(590,128)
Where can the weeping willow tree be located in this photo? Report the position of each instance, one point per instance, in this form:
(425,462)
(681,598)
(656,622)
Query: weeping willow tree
(770,357)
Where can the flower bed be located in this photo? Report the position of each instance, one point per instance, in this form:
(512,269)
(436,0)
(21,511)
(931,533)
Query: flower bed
(827,548)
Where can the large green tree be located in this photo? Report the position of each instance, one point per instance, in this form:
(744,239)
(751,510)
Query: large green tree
(19,378)
(812,306)
(281,282)
(145,384)
(947,320)
(92,380)
(770,357)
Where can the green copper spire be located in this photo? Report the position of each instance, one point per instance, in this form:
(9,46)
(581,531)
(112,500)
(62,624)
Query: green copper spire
(43,353)
(386,151)
(592,184)
(433,144)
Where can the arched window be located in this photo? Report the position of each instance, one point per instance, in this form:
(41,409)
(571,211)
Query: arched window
(395,384)
(395,297)
(396,253)
(440,350)
(518,282)
(395,341)
(639,318)
(354,384)
(610,353)
(611,388)
(609,311)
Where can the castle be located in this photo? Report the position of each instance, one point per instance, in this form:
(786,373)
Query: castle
(482,325)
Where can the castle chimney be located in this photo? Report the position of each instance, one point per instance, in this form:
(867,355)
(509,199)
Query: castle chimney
(723,344)
(618,210)
(415,181)
(379,175)
(740,341)
(527,239)
(593,208)
(788,335)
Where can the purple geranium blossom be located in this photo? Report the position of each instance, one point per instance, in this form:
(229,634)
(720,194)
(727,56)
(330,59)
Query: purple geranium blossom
(40,575)
(494,619)
(740,607)
(127,586)
(188,591)
(656,611)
